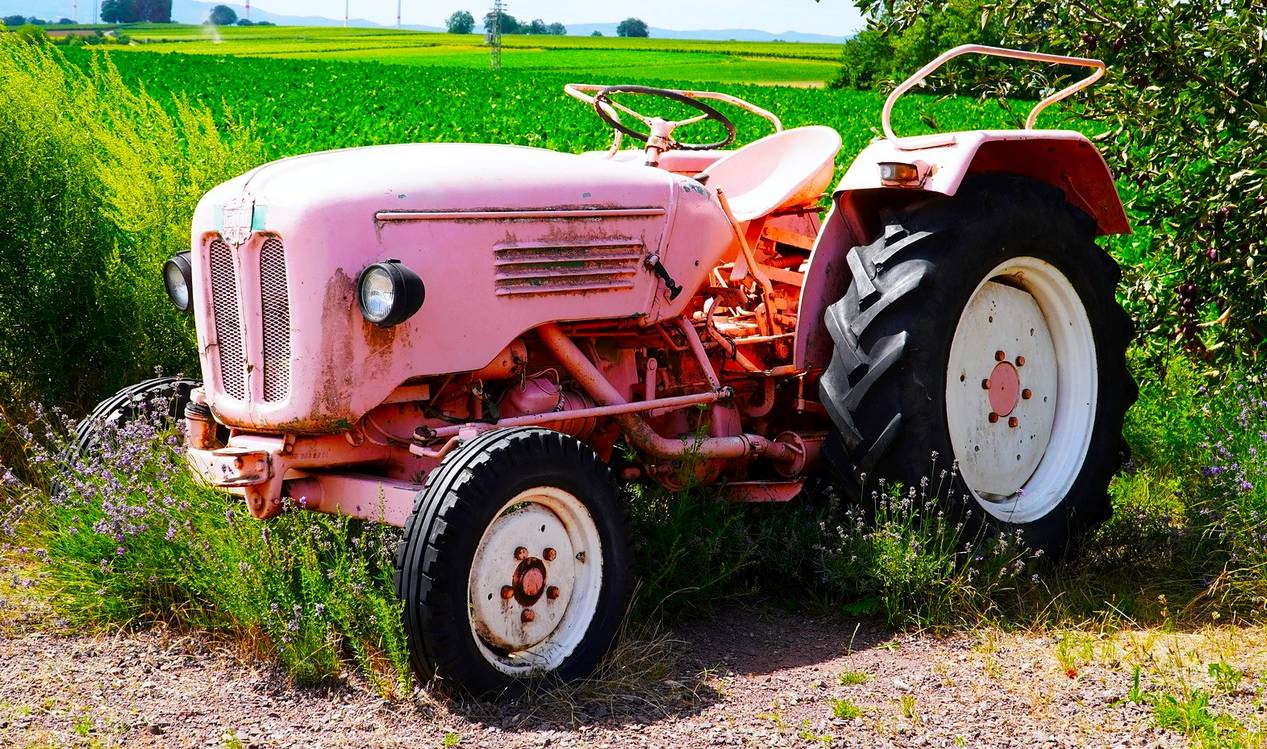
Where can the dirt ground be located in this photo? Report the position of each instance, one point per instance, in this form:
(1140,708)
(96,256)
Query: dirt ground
(744,676)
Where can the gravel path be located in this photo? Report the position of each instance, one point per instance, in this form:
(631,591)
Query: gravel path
(742,677)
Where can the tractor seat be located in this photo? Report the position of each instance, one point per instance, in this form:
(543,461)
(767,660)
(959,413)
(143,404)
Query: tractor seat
(788,168)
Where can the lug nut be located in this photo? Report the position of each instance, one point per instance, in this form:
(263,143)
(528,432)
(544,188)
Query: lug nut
(1013,422)
(1027,394)
(985,384)
(552,592)
(527,615)
(999,356)
(1020,361)
(549,554)
(521,553)
(507,592)
(993,417)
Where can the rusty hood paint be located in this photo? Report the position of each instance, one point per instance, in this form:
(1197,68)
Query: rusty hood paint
(491,271)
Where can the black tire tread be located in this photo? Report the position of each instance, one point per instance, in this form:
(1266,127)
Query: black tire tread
(860,387)
(425,555)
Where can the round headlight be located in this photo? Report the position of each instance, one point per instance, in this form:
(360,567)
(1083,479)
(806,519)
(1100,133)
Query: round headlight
(178,278)
(389,293)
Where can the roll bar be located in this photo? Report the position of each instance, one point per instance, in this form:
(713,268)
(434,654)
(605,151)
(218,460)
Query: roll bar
(1014,54)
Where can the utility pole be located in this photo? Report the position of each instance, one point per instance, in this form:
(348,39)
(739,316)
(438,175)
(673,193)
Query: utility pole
(398,2)
(74,11)
(346,5)
(495,40)
(248,10)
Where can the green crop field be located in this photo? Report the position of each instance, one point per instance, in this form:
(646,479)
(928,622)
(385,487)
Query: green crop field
(755,62)
(297,106)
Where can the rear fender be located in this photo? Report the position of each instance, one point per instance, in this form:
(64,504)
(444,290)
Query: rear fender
(1064,159)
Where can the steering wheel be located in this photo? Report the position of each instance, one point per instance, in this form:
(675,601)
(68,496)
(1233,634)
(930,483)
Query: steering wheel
(605,106)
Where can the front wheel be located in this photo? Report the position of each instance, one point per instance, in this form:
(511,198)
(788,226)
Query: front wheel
(983,328)
(515,565)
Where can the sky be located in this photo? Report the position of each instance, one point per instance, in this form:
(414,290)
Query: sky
(832,17)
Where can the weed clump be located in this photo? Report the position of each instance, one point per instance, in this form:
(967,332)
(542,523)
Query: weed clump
(122,534)
(100,180)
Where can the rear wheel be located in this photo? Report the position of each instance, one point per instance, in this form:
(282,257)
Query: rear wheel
(515,564)
(160,397)
(983,328)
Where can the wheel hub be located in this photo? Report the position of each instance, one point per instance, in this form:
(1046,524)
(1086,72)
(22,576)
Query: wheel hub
(528,572)
(1004,389)
(1001,390)
(529,581)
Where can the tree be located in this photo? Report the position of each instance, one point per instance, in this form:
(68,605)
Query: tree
(132,11)
(222,15)
(632,27)
(557,29)
(15,21)
(1181,114)
(154,11)
(537,27)
(461,22)
(112,11)
(245,22)
(509,24)
(881,54)
(596,32)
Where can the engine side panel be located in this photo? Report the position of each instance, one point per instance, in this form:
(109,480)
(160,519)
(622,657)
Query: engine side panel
(538,237)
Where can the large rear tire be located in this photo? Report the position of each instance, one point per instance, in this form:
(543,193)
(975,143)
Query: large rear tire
(983,328)
(515,564)
(164,397)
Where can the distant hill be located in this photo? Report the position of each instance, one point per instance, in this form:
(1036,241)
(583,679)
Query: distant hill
(193,11)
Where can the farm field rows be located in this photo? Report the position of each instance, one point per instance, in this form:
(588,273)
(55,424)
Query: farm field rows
(296,106)
(760,62)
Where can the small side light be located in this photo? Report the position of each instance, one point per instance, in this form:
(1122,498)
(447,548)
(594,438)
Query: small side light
(178,279)
(899,174)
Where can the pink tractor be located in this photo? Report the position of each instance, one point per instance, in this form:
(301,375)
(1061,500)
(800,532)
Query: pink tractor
(477,343)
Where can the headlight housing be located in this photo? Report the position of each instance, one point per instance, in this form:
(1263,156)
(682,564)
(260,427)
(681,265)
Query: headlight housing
(178,279)
(389,293)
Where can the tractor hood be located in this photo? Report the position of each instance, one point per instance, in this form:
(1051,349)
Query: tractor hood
(504,238)
(452,177)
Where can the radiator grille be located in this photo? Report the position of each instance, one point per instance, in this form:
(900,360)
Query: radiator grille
(540,269)
(275,308)
(228,319)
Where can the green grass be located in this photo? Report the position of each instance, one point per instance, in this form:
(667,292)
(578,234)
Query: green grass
(845,710)
(687,60)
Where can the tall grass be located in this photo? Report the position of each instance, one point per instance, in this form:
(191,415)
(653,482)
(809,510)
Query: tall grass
(123,535)
(99,182)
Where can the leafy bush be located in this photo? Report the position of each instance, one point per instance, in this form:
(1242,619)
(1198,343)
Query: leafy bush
(124,535)
(1183,109)
(910,559)
(886,52)
(99,182)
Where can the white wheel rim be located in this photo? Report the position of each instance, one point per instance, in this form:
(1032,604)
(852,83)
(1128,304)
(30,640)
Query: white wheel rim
(528,611)
(1020,429)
